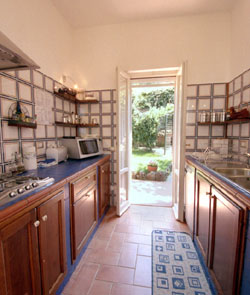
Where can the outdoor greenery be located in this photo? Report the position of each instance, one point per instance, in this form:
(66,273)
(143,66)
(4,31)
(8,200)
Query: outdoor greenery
(163,166)
(147,111)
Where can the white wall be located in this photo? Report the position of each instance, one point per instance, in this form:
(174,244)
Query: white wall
(240,39)
(41,32)
(203,40)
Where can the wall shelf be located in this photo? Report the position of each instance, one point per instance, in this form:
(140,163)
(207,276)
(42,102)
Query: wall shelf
(74,99)
(22,124)
(76,125)
(234,121)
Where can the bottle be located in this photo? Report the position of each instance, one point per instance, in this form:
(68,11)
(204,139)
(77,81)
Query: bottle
(73,118)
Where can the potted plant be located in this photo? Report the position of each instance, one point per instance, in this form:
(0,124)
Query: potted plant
(152,166)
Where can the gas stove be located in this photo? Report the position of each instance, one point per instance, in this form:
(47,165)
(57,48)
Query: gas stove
(14,186)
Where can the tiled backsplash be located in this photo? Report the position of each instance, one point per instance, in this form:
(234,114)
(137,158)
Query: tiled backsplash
(213,98)
(200,98)
(35,92)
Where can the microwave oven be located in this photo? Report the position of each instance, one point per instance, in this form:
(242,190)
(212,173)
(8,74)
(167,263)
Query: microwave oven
(80,148)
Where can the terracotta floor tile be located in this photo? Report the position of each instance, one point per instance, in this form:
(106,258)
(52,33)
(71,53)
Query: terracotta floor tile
(101,256)
(115,274)
(126,228)
(100,288)
(144,250)
(138,239)
(98,244)
(116,242)
(143,274)
(121,289)
(128,256)
(83,281)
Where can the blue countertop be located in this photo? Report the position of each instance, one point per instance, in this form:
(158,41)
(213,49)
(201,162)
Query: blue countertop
(219,176)
(59,172)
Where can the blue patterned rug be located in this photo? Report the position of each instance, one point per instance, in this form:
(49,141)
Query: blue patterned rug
(177,267)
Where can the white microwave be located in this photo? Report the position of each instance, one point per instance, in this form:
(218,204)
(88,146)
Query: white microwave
(80,148)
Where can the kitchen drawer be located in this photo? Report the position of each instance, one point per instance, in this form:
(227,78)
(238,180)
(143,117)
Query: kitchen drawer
(79,186)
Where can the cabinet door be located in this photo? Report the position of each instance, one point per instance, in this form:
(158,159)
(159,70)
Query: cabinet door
(51,215)
(104,187)
(203,214)
(19,261)
(189,196)
(225,245)
(84,217)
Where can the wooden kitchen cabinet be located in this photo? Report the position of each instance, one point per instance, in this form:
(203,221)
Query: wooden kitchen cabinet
(83,213)
(52,242)
(203,217)
(32,254)
(104,187)
(19,259)
(190,197)
(226,232)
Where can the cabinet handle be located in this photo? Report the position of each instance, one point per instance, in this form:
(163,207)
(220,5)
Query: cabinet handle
(87,177)
(208,194)
(44,218)
(103,171)
(37,223)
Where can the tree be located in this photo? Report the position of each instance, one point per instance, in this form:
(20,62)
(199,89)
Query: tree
(147,110)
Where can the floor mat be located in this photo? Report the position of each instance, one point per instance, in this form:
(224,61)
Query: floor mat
(177,267)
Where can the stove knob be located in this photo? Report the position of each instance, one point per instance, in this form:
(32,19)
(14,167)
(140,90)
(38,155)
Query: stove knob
(34,184)
(20,190)
(27,187)
(12,194)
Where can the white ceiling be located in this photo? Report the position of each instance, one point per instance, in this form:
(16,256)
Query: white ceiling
(87,13)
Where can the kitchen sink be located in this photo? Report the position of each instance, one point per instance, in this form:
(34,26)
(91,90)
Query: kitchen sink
(233,172)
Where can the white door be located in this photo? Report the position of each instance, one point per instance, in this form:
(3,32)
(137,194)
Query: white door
(124,139)
(179,141)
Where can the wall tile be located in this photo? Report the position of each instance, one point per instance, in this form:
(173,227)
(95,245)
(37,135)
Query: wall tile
(191,118)
(190,144)
(66,106)
(236,130)
(191,104)
(59,131)
(24,75)
(41,148)
(202,143)
(246,95)
(51,131)
(27,133)
(9,132)
(106,107)
(24,92)
(219,103)
(49,84)
(237,83)
(59,103)
(95,108)
(246,78)
(5,105)
(106,95)
(244,130)
(203,130)
(217,130)
(237,99)
(229,130)
(204,104)
(192,91)
(8,86)
(9,150)
(106,120)
(38,79)
(230,101)
(40,131)
(67,131)
(220,89)
(204,90)
(190,130)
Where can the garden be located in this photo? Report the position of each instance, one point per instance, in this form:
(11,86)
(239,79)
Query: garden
(152,121)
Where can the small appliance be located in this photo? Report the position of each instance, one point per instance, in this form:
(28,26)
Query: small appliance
(59,154)
(80,148)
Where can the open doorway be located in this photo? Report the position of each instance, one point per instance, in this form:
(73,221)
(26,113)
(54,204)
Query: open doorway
(152,138)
